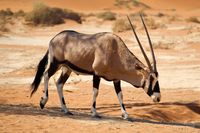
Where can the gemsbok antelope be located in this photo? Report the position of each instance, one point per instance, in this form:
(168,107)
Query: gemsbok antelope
(103,55)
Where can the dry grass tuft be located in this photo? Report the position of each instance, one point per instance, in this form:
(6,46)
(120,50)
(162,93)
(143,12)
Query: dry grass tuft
(161,45)
(130,4)
(121,25)
(193,19)
(44,15)
(108,15)
(151,23)
(160,14)
(3,22)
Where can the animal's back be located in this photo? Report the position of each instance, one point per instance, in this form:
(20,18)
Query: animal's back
(99,53)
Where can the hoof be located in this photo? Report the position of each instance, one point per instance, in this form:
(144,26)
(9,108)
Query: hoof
(43,101)
(41,105)
(68,113)
(125,116)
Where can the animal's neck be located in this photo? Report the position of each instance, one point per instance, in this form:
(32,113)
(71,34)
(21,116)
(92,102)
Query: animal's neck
(136,74)
(137,78)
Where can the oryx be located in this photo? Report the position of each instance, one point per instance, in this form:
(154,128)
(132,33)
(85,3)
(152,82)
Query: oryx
(103,55)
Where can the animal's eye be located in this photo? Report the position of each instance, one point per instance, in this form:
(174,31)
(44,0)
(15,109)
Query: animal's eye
(156,73)
(138,67)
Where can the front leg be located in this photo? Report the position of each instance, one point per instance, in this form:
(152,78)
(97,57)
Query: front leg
(117,85)
(96,81)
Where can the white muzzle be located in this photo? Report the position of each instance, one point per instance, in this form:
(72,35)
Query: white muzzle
(156,97)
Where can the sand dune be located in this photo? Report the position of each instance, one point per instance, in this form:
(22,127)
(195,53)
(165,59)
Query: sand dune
(78,5)
(93,5)
(173,4)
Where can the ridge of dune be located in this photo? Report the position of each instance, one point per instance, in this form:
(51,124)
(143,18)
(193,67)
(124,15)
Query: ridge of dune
(95,5)
(78,5)
(173,4)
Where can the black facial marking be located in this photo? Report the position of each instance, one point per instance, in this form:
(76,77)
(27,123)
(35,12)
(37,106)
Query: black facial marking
(63,100)
(150,91)
(157,87)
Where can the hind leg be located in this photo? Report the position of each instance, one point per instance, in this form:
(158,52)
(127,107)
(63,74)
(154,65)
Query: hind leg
(96,81)
(51,71)
(60,83)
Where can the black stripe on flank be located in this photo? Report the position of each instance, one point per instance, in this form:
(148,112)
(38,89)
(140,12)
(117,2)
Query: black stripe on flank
(76,68)
(80,70)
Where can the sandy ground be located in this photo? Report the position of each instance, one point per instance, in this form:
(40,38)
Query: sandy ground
(179,69)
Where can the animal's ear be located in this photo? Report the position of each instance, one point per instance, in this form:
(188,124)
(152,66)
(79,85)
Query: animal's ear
(138,67)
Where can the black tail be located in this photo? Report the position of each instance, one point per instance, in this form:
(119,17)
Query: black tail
(40,70)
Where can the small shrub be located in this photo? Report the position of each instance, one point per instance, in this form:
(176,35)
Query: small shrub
(161,45)
(6,12)
(19,13)
(90,15)
(68,14)
(160,14)
(136,14)
(3,22)
(138,3)
(193,19)
(121,25)
(120,3)
(152,24)
(44,15)
(173,18)
(130,3)
(107,15)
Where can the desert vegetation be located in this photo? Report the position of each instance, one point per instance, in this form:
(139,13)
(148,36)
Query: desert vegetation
(193,19)
(121,25)
(130,4)
(6,18)
(44,15)
(107,15)
(41,14)
(152,24)
(162,45)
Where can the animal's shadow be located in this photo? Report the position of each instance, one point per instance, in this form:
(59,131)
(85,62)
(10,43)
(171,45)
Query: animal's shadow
(84,113)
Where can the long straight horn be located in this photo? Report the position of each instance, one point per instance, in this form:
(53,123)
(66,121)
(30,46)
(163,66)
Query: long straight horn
(151,47)
(141,48)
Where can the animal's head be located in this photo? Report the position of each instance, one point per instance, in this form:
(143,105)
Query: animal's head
(152,87)
(151,84)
